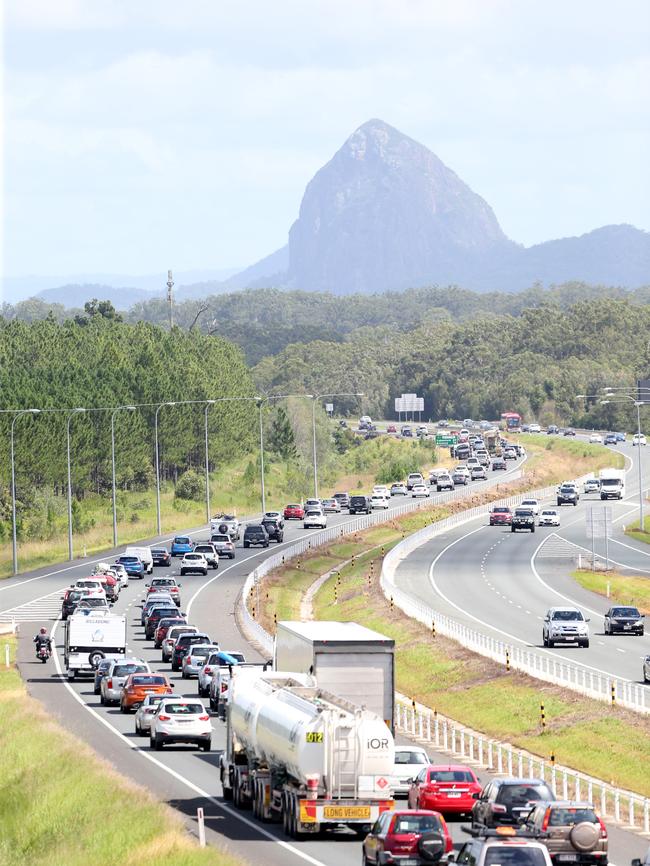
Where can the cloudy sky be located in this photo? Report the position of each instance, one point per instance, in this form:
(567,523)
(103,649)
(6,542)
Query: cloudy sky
(153,134)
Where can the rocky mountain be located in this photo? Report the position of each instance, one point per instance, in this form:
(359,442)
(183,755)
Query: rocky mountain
(386,213)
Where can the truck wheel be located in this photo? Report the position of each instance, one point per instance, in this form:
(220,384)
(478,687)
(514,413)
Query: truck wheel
(512,529)
(574,504)
(532,529)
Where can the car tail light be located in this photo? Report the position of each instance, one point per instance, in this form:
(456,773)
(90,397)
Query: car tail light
(547,818)
(207,670)
(109,684)
(603,829)
(164,718)
(499,809)
(224,687)
(204,718)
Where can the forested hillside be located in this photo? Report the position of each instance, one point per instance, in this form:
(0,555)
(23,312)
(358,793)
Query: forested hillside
(535,363)
(105,363)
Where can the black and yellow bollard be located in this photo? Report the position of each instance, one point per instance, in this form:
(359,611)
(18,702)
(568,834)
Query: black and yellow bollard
(552,759)
(433,628)
(613,694)
(253,611)
(507,660)
(392,604)
(542,717)
(383,552)
(275,619)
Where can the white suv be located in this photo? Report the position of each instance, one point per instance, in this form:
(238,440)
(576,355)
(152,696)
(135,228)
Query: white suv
(565,625)
(181,720)
(193,563)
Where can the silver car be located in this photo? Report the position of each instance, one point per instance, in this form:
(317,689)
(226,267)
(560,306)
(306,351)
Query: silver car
(145,712)
(196,657)
(209,668)
(115,677)
(408,763)
(120,573)
(170,639)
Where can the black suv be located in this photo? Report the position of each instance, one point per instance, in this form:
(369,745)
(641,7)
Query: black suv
(506,801)
(274,528)
(70,603)
(256,534)
(567,494)
(523,518)
(183,644)
(360,505)
(158,613)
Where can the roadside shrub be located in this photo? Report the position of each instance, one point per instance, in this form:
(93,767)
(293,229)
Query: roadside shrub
(190,486)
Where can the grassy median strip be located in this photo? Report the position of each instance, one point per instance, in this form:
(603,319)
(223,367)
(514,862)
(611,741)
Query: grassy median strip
(633,590)
(62,805)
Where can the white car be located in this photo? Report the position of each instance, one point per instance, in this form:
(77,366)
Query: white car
(311,504)
(596,439)
(170,639)
(639,439)
(419,490)
(379,500)
(180,720)
(444,482)
(110,688)
(381,489)
(591,485)
(461,469)
(534,428)
(565,625)
(408,763)
(90,586)
(533,504)
(478,473)
(331,505)
(120,573)
(194,563)
(398,489)
(549,517)
(145,712)
(314,519)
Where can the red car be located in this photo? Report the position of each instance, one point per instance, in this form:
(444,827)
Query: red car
(446,788)
(294,512)
(406,836)
(391,428)
(500,516)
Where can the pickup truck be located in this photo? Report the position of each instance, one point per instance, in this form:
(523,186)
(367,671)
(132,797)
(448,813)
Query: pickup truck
(567,494)
(523,518)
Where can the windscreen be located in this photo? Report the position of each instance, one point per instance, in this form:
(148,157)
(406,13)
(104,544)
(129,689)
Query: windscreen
(517,795)
(565,817)
(125,670)
(409,757)
(149,680)
(500,855)
(450,776)
(184,709)
(416,824)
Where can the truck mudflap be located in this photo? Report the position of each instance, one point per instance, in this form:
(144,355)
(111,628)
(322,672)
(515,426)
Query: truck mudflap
(343,811)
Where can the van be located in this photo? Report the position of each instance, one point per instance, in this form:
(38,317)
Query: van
(413,479)
(144,555)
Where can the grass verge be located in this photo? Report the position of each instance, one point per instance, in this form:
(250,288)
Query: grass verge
(61,805)
(632,590)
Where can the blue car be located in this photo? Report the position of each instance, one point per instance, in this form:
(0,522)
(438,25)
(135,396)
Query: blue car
(182,545)
(133,566)
(611,439)
(620,437)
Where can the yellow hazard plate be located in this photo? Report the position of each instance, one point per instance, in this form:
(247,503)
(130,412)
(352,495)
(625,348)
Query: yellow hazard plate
(346,813)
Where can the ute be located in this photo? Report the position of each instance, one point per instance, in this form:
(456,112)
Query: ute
(523,518)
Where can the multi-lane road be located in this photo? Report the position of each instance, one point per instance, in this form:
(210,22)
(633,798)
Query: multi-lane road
(502,582)
(185,778)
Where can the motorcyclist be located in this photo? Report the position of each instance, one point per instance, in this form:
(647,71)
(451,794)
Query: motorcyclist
(42,638)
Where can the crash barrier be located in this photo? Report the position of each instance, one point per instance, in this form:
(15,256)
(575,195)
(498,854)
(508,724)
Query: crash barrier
(539,664)
(248,611)
(431,729)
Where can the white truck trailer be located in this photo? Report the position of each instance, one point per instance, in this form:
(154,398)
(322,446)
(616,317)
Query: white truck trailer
(302,756)
(612,483)
(347,659)
(89,638)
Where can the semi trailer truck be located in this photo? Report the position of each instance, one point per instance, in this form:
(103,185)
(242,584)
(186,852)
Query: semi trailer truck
(302,756)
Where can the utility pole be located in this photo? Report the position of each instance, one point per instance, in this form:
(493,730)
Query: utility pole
(170,299)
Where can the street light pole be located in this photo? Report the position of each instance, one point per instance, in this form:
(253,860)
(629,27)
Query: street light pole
(638,405)
(115,411)
(70,417)
(14,545)
(155,425)
(208,403)
(263,492)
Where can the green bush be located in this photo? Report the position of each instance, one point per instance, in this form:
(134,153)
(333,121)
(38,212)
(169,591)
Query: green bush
(190,486)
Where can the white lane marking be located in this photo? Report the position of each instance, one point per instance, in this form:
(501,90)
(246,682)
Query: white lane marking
(494,628)
(218,803)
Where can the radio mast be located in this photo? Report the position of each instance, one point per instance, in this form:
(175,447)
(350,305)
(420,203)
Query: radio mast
(170,299)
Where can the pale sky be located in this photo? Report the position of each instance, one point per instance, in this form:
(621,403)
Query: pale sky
(146,134)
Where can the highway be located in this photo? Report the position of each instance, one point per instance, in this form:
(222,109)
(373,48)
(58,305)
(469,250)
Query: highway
(180,776)
(502,583)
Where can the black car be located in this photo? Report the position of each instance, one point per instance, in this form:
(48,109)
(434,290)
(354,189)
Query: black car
(161,556)
(611,439)
(506,801)
(360,505)
(624,620)
(183,643)
(569,432)
(158,613)
(567,494)
(70,602)
(498,463)
(100,673)
(255,534)
(523,518)
(274,528)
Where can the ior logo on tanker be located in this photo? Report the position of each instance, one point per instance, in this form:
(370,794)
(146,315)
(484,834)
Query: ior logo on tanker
(377,743)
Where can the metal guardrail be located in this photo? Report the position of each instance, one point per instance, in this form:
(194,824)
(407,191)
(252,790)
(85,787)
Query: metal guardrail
(541,665)
(422,724)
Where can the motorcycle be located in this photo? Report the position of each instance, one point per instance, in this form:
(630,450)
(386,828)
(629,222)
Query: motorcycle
(43,652)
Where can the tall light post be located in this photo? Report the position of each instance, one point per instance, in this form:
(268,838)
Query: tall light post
(313,430)
(638,404)
(70,417)
(155,426)
(14,548)
(208,403)
(115,411)
(261,402)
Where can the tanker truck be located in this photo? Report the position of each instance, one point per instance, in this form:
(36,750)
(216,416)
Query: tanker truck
(300,755)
